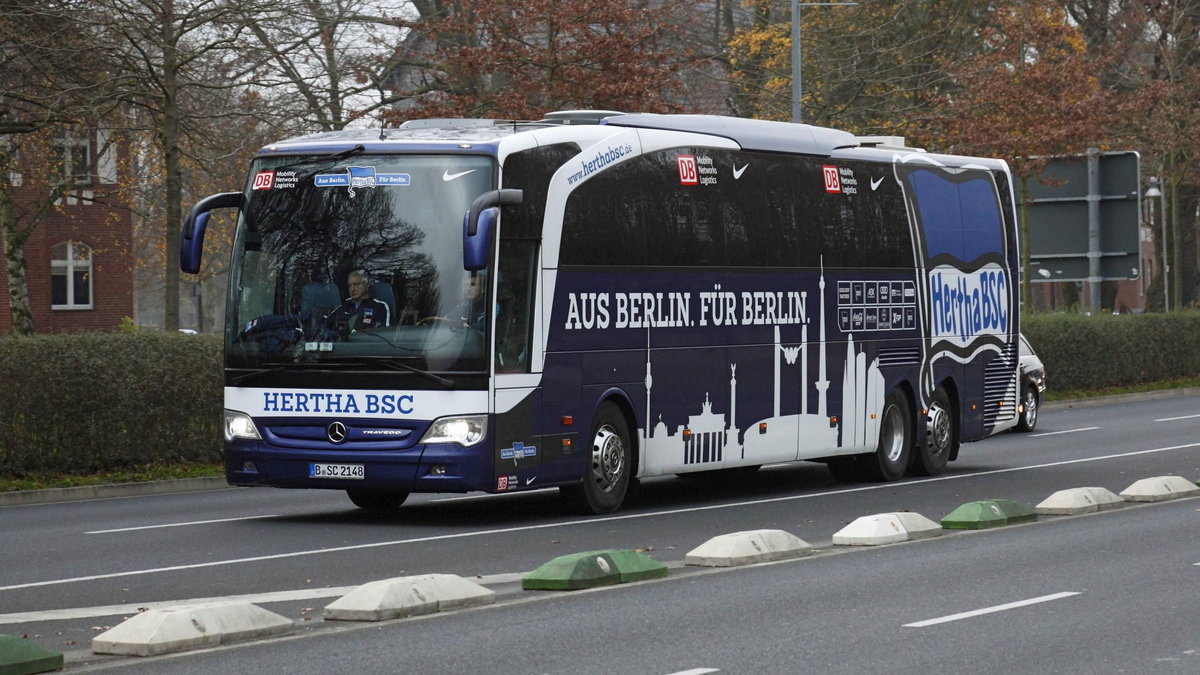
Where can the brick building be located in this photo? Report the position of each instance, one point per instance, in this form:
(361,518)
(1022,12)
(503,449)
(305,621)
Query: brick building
(79,259)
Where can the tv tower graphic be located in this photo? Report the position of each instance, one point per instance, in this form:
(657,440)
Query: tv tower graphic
(711,440)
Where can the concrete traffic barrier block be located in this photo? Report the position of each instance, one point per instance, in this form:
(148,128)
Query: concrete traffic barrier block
(592,568)
(176,629)
(408,596)
(988,513)
(22,657)
(744,548)
(1079,500)
(1160,489)
(886,528)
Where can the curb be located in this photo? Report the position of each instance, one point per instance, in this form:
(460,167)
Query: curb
(1066,404)
(111,490)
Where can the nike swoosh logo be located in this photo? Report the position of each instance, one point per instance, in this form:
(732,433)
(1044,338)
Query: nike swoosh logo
(529,481)
(875,182)
(737,173)
(447,176)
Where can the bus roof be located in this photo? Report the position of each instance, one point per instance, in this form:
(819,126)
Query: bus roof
(485,135)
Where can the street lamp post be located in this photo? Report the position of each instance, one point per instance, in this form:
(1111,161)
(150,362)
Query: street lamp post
(1151,193)
(796,89)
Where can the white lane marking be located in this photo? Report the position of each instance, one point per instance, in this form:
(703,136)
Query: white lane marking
(138,608)
(1172,419)
(991,610)
(1068,431)
(590,521)
(253,598)
(696,671)
(194,522)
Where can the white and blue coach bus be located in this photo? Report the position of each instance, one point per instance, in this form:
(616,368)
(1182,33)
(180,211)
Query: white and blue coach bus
(596,298)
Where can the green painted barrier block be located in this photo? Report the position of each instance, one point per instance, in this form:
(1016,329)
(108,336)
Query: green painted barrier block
(634,566)
(22,657)
(1016,512)
(591,569)
(988,513)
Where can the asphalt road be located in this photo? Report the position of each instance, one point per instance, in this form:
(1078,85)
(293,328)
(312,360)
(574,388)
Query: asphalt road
(68,570)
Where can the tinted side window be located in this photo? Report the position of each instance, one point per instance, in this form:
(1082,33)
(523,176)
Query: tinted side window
(703,207)
(531,171)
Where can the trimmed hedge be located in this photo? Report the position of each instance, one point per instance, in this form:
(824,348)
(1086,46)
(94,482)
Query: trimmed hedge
(89,402)
(86,402)
(1094,352)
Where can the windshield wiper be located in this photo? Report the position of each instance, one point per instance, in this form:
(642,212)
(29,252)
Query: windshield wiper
(395,364)
(253,374)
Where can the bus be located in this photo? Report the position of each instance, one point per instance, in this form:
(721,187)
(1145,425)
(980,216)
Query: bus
(594,298)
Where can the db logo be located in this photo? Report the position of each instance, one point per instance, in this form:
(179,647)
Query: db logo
(502,483)
(263,180)
(832,182)
(687,170)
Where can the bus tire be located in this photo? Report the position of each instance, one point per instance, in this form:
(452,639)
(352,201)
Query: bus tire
(891,457)
(608,475)
(1029,410)
(379,501)
(941,437)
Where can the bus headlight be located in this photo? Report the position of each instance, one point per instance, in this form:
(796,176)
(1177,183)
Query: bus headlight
(467,430)
(239,425)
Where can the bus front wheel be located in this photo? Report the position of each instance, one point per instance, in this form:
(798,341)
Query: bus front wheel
(609,471)
(891,456)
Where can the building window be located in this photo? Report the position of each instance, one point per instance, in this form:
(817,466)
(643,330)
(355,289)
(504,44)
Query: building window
(71,276)
(73,154)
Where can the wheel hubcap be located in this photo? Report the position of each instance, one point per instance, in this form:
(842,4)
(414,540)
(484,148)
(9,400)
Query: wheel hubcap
(938,429)
(608,458)
(1030,408)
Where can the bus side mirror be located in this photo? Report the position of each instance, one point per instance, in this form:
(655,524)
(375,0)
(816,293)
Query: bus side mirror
(475,247)
(480,222)
(191,240)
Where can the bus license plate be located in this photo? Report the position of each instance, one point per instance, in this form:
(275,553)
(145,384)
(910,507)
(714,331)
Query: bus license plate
(348,471)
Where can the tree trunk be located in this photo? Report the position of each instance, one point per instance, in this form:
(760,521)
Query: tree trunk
(14,263)
(170,149)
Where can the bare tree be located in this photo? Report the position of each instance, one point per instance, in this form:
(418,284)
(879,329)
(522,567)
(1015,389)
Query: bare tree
(165,54)
(326,64)
(49,90)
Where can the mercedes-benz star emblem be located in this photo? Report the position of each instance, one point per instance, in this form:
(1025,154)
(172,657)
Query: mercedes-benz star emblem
(336,432)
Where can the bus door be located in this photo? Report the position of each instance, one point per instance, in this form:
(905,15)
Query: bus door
(518,451)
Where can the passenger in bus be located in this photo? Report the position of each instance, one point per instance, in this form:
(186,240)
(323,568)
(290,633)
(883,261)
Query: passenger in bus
(472,311)
(360,311)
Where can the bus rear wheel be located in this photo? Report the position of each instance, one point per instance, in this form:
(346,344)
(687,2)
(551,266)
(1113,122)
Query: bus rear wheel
(941,437)
(891,456)
(609,471)
(379,501)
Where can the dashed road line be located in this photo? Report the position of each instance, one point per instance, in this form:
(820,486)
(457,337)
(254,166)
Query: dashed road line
(991,610)
(1067,431)
(193,522)
(1172,419)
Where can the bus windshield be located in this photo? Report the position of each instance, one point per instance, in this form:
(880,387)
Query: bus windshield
(355,261)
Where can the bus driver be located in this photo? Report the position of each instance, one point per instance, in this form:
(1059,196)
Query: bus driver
(360,310)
